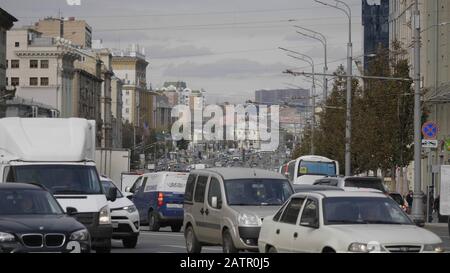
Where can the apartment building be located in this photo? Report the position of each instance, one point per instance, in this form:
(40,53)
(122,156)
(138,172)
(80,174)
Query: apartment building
(77,31)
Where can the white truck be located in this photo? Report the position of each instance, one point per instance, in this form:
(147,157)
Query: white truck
(112,163)
(59,154)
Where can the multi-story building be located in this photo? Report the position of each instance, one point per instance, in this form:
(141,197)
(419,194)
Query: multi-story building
(77,31)
(435,71)
(292,97)
(6,23)
(130,67)
(42,68)
(375,21)
(116,109)
(25,108)
(162,119)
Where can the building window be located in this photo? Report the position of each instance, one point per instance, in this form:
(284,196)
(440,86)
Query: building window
(44,81)
(15,63)
(14,81)
(7,64)
(44,63)
(33,81)
(16,44)
(33,63)
(6,82)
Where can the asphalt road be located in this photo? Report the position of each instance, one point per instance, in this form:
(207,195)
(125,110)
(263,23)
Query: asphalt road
(166,241)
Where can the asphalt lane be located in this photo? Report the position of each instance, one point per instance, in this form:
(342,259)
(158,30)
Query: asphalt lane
(166,241)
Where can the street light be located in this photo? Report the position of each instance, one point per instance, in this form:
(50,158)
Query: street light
(310,61)
(348,125)
(322,39)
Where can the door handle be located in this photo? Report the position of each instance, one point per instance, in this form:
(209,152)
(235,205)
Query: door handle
(295,235)
(202,211)
(206,211)
(277,232)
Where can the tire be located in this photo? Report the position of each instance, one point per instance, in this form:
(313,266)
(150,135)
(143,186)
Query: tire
(106,248)
(272,250)
(153,221)
(227,243)
(130,242)
(192,244)
(175,228)
(328,250)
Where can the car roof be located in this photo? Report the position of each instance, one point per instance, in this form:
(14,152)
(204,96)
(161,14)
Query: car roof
(241,173)
(316,188)
(337,193)
(20,186)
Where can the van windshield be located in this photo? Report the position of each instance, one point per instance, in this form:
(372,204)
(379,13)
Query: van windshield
(316,168)
(59,179)
(257,192)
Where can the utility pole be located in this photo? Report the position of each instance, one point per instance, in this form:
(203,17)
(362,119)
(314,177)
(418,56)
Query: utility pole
(417,208)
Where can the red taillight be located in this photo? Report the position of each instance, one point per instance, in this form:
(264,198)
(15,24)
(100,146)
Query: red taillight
(160,199)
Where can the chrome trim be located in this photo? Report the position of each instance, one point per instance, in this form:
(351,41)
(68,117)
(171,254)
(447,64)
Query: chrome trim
(59,234)
(33,234)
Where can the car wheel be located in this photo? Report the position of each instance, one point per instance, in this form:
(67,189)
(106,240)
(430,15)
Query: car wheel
(153,221)
(175,228)
(192,244)
(272,250)
(130,242)
(106,248)
(227,244)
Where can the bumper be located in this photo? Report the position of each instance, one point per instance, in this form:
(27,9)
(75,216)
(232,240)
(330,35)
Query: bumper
(166,220)
(247,238)
(124,224)
(69,247)
(100,234)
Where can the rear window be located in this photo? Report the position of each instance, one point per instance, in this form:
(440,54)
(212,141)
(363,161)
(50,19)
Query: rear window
(365,184)
(200,189)
(176,183)
(190,185)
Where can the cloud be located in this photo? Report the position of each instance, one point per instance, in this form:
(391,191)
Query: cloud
(164,52)
(235,68)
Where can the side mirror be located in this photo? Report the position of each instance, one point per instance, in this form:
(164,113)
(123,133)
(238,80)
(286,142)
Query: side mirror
(314,224)
(71,211)
(112,195)
(127,189)
(214,202)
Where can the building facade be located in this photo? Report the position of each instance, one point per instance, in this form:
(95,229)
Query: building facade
(116,109)
(41,68)
(6,23)
(292,97)
(375,21)
(24,108)
(77,31)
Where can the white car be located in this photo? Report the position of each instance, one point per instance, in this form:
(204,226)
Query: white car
(124,217)
(340,221)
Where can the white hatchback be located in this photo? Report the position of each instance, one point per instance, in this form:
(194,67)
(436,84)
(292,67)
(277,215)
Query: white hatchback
(339,221)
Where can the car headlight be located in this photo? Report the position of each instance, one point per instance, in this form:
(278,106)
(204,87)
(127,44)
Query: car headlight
(245,219)
(358,248)
(438,248)
(80,235)
(130,209)
(104,216)
(7,237)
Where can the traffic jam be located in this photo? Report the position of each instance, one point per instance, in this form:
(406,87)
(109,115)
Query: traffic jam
(53,199)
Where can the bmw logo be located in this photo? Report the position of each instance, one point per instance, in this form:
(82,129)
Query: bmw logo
(41,228)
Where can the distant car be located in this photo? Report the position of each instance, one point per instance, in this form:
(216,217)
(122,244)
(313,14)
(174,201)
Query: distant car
(340,221)
(226,206)
(159,199)
(309,188)
(31,220)
(354,183)
(124,216)
(400,201)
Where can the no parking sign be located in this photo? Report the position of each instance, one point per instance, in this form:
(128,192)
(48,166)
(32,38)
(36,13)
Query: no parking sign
(430,130)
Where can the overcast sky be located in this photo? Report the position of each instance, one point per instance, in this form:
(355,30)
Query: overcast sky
(229,48)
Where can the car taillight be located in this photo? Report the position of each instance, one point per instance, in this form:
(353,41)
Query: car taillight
(160,199)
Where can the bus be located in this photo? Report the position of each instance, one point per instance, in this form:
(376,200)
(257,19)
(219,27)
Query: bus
(307,169)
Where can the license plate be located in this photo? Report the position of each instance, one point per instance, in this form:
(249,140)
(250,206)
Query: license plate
(174,206)
(115,225)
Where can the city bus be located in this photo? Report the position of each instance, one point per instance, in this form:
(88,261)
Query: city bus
(307,169)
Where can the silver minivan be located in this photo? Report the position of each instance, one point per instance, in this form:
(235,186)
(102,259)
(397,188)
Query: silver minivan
(226,206)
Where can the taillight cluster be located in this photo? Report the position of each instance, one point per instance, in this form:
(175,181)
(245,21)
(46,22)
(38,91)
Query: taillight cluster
(160,199)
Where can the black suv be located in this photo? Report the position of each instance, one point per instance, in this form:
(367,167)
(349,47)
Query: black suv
(31,220)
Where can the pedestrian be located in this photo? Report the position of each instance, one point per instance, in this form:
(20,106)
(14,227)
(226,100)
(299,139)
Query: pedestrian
(409,198)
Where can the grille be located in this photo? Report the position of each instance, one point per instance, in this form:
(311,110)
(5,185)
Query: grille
(32,240)
(119,218)
(123,228)
(403,249)
(86,219)
(54,240)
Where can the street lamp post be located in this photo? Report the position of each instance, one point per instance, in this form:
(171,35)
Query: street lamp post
(310,61)
(348,124)
(322,39)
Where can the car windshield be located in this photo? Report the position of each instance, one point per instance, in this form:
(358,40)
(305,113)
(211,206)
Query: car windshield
(107,185)
(316,168)
(365,184)
(257,192)
(23,202)
(363,210)
(60,179)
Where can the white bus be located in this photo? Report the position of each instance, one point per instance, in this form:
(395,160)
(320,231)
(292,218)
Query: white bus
(307,169)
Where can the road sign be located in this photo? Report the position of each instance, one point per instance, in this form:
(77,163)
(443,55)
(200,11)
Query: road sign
(429,143)
(430,130)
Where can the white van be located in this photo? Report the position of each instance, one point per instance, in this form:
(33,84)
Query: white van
(59,154)
(307,169)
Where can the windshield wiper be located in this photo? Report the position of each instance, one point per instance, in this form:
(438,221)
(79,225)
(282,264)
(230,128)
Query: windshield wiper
(383,222)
